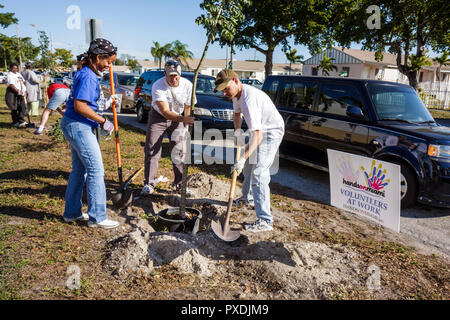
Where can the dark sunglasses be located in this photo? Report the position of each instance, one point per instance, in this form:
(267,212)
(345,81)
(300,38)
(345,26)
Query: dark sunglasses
(172,63)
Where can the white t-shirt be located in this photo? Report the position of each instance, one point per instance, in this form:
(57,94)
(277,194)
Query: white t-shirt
(259,111)
(18,81)
(176,97)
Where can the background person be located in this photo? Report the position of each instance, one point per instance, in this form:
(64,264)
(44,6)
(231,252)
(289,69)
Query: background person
(34,94)
(78,124)
(58,94)
(171,97)
(266,127)
(14,96)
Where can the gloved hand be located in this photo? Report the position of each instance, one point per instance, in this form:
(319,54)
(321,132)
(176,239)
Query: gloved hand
(239,138)
(107,128)
(238,166)
(108,103)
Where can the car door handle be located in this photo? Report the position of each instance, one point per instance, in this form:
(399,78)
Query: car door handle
(317,123)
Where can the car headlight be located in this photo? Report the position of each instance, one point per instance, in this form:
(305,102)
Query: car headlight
(202,112)
(439,151)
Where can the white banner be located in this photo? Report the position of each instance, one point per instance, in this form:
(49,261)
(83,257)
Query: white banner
(365,186)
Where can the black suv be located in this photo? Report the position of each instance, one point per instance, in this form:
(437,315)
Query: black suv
(213,109)
(377,119)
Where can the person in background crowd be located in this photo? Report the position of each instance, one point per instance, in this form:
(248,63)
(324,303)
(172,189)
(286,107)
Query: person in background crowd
(58,94)
(78,124)
(34,94)
(14,96)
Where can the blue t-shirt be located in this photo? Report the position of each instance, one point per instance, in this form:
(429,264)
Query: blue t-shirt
(85,87)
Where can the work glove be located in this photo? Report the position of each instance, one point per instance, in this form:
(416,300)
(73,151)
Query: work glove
(107,128)
(109,102)
(239,138)
(238,166)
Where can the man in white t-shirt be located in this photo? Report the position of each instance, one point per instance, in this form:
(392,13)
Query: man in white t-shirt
(266,128)
(14,96)
(170,113)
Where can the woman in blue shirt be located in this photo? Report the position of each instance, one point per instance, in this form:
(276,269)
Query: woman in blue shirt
(82,116)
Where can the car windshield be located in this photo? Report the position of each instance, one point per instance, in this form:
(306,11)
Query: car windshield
(128,80)
(398,103)
(204,86)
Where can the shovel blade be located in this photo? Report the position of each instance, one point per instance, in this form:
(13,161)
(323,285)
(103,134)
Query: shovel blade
(226,235)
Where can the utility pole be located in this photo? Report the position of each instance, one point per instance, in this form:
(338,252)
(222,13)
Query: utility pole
(18,47)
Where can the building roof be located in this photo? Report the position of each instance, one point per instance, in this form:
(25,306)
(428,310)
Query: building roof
(349,56)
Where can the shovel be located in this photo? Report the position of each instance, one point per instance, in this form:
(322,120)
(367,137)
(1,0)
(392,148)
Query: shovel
(122,198)
(224,232)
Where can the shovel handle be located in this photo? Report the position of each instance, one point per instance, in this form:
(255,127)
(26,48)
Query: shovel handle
(116,126)
(231,196)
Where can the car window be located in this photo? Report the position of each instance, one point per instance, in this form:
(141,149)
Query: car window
(272,90)
(127,80)
(396,102)
(140,82)
(205,85)
(298,94)
(105,79)
(336,98)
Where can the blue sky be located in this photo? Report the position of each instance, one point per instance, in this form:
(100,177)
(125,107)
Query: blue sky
(131,25)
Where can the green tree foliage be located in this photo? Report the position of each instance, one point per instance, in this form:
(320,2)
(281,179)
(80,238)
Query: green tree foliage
(9,50)
(133,64)
(179,51)
(442,61)
(47,59)
(270,23)
(293,58)
(159,52)
(7,18)
(326,65)
(64,57)
(407,28)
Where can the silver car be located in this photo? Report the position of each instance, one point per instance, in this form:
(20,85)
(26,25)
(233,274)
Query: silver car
(125,84)
(253,82)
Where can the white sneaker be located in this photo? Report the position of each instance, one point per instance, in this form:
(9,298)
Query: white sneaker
(83,217)
(105,224)
(22,124)
(147,189)
(39,130)
(258,226)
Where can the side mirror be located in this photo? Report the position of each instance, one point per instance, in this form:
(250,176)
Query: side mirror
(355,112)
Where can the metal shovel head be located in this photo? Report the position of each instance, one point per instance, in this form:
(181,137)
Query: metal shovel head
(122,199)
(226,235)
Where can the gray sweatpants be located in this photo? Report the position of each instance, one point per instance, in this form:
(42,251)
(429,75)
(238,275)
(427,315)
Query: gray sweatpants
(157,126)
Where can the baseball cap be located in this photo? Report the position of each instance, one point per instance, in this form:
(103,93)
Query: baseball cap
(172,67)
(223,77)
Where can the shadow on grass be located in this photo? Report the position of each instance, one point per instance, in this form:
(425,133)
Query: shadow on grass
(22,212)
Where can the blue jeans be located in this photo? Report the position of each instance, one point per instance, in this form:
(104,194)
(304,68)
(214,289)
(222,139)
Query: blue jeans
(87,166)
(257,176)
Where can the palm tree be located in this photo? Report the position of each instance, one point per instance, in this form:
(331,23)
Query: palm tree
(180,52)
(326,65)
(158,52)
(293,58)
(442,61)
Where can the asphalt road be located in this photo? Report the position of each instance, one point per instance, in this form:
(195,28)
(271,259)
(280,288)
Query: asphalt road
(429,225)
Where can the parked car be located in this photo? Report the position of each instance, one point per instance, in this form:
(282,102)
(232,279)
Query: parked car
(213,109)
(378,119)
(253,82)
(125,84)
(3,77)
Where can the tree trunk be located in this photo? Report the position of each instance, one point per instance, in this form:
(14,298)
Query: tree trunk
(412,77)
(269,62)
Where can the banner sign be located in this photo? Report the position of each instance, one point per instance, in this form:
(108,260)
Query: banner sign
(366,187)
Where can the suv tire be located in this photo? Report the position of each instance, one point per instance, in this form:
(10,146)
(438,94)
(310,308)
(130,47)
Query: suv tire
(141,114)
(408,185)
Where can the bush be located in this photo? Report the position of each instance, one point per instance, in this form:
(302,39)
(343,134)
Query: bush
(56,133)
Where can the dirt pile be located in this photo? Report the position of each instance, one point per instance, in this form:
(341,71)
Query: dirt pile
(285,270)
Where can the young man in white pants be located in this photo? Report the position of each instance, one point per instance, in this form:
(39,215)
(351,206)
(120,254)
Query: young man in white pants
(266,128)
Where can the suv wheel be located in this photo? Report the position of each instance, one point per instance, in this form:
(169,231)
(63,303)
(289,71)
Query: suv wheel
(140,113)
(408,186)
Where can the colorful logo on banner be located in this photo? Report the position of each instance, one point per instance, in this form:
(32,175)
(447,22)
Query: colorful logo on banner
(375,178)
